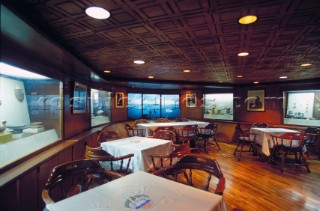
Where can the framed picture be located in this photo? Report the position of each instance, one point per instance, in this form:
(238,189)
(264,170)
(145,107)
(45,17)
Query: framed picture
(79,98)
(191,100)
(119,99)
(255,100)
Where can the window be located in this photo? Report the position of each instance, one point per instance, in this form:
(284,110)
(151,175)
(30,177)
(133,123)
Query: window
(31,108)
(100,107)
(151,106)
(218,106)
(302,108)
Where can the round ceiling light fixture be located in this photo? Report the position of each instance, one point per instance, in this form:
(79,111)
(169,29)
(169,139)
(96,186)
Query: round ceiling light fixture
(239,76)
(138,62)
(150,76)
(256,82)
(97,12)
(107,71)
(248,19)
(283,77)
(186,71)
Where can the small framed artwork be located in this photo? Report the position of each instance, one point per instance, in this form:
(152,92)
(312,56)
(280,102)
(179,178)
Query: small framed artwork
(119,99)
(255,100)
(79,98)
(191,100)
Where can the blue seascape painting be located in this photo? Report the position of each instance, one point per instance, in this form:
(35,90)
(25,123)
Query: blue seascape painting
(152,106)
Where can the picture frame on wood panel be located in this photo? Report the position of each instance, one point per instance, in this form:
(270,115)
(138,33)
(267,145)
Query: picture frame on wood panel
(255,100)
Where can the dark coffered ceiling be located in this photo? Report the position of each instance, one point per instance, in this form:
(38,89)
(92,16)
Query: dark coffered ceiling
(203,36)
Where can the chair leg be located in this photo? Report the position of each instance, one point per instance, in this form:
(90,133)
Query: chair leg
(235,151)
(215,140)
(240,152)
(282,161)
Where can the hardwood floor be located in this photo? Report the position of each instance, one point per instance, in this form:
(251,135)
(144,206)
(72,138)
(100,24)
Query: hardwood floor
(256,185)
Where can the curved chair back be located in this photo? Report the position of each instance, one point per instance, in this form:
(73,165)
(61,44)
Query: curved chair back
(139,121)
(158,120)
(73,177)
(187,166)
(260,125)
(119,164)
(107,135)
(165,134)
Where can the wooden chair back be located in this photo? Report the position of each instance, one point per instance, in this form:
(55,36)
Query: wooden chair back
(119,164)
(185,171)
(158,120)
(73,177)
(107,135)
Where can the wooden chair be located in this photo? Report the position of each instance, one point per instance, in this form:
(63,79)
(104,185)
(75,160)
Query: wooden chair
(133,131)
(74,177)
(161,161)
(181,120)
(206,133)
(158,120)
(140,121)
(247,140)
(260,125)
(287,145)
(107,161)
(313,141)
(187,134)
(171,128)
(187,171)
(107,135)
(165,134)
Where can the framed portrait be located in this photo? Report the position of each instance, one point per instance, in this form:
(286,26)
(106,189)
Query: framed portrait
(255,100)
(119,99)
(191,100)
(79,98)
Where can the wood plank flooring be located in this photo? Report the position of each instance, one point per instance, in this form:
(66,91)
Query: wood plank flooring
(256,185)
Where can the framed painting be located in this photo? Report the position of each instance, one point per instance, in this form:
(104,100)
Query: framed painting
(119,99)
(255,100)
(79,98)
(191,100)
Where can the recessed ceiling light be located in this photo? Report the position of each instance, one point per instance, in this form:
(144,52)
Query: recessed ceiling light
(282,77)
(107,71)
(138,62)
(97,13)
(248,19)
(243,54)
(186,71)
(13,71)
(239,76)
(256,82)
(150,76)
(305,65)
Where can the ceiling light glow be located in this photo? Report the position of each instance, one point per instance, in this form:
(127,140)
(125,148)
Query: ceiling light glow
(239,76)
(97,13)
(107,71)
(256,82)
(9,70)
(283,77)
(243,54)
(138,62)
(186,71)
(248,19)
(305,65)
(150,76)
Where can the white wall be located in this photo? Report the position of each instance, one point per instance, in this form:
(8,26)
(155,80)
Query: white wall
(11,109)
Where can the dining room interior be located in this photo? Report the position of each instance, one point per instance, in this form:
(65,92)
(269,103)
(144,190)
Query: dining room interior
(160,105)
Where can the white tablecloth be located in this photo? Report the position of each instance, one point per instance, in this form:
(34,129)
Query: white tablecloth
(141,147)
(153,126)
(164,195)
(264,136)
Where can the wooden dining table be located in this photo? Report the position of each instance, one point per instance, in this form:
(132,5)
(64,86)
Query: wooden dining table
(264,137)
(141,147)
(141,190)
